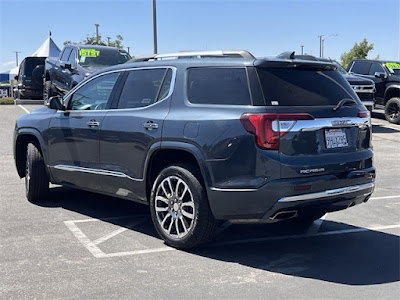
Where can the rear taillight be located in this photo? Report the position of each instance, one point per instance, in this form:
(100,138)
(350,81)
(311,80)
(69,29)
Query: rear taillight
(269,127)
(364,114)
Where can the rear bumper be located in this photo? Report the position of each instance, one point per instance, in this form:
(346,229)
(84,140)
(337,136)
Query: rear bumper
(325,193)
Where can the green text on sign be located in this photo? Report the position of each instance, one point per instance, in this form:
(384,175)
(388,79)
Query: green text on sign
(89,52)
(393,65)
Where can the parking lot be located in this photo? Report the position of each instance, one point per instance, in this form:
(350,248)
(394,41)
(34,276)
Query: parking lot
(81,245)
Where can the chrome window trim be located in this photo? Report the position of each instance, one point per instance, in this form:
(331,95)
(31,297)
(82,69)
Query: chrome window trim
(66,98)
(94,171)
(367,187)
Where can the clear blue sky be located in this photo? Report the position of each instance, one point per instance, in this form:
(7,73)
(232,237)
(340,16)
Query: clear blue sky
(265,28)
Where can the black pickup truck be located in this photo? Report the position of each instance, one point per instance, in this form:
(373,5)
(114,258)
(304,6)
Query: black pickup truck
(75,63)
(386,75)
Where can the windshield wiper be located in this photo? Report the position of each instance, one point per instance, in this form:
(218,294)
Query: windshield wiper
(343,102)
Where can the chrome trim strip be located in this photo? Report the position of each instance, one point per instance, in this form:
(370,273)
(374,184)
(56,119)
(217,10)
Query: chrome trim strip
(232,190)
(331,193)
(310,125)
(94,171)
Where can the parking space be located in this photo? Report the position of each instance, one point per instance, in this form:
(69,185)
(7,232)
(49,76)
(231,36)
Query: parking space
(83,245)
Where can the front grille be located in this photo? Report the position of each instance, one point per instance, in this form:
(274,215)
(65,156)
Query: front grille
(365,96)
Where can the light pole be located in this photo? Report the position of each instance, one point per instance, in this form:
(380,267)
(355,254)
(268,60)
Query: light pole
(302,50)
(97,33)
(108,41)
(128,50)
(321,43)
(155,26)
(16,56)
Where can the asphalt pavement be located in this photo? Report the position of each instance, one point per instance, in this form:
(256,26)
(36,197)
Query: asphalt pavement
(81,245)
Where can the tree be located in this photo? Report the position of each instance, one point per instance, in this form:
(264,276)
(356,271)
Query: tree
(92,40)
(359,51)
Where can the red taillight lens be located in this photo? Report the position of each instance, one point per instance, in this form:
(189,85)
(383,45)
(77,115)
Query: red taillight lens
(364,114)
(268,127)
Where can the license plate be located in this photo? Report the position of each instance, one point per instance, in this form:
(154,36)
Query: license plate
(335,138)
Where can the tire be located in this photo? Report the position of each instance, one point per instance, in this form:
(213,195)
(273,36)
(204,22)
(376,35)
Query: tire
(179,208)
(36,180)
(392,111)
(47,91)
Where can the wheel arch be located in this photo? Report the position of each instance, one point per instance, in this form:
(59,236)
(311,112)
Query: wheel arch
(24,137)
(171,153)
(392,91)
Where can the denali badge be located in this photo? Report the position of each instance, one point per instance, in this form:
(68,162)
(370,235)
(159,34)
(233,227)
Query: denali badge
(340,122)
(308,171)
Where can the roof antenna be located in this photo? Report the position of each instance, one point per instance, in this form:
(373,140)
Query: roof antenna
(49,33)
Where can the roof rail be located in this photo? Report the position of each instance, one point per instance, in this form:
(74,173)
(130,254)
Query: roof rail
(200,54)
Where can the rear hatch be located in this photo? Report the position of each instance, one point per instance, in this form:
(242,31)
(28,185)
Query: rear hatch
(313,119)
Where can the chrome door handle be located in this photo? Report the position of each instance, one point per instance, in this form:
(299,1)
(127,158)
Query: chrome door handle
(150,125)
(93,123)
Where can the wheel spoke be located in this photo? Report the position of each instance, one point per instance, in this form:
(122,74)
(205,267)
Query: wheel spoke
(177,228)
(165,219)
(184,225)
(162,199)
(183,193)
(160,209)
(170,185)
(180,181)
(170,226)
(163,188)
(188,204)
(187,214)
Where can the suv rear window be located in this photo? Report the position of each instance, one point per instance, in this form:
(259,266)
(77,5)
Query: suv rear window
(218,86)
(299,87)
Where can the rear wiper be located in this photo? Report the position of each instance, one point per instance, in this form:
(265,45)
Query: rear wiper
(343,102)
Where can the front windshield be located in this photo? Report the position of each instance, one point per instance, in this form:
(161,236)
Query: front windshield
(340,68)
(90,57)
(393,67)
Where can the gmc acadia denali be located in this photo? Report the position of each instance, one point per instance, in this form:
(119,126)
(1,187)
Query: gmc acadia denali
(202,137)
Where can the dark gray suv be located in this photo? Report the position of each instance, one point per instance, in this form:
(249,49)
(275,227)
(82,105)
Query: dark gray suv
(203,137)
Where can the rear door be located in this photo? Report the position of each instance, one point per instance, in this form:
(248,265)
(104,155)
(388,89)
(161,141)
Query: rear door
(73,134)
(131,130)
(316,135)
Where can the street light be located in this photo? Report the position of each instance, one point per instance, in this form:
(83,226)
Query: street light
(108,39)
(321,43)
(302,49)
(16,56)
(97,33)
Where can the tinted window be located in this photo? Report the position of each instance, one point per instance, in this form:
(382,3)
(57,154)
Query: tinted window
(95,94)
(143,87)
(218,86)
(360,67)
(101,57)
(375,67)
(297,87)
(65,54)
(393,67)
(72,58)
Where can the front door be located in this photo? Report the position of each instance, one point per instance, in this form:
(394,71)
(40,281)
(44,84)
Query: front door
(73,135)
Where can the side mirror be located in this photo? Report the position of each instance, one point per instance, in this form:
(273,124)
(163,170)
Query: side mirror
(68,66)
(55,102)
(380,75)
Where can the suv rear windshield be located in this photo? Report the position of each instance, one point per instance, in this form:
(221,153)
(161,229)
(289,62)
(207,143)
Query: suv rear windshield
(299,87)
(89,57)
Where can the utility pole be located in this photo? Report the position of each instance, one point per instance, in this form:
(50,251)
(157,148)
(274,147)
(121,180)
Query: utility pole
(108,39)
(16,56)
(97,33)
(155,26)
(128,50)
(302,49)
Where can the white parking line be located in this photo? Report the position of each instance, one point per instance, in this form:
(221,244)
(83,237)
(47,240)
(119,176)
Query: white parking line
(98,253)
(27,111)
(118,231)
(384,197)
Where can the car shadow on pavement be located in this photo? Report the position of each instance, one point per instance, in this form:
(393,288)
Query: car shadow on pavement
(383,129)
(364,257)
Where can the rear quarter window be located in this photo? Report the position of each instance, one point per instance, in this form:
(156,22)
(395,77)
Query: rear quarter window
(298,87)
(226,86)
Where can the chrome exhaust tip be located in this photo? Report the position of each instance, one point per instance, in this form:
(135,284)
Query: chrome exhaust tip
(284,215)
